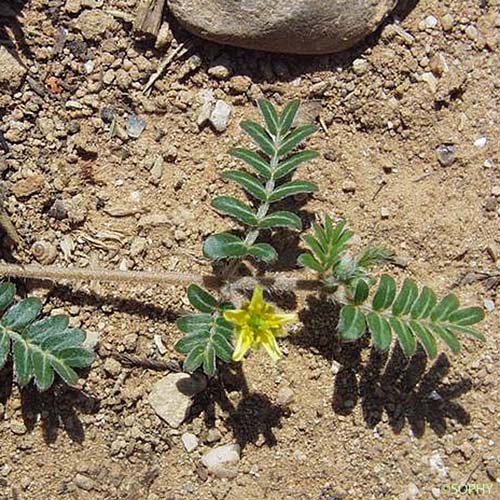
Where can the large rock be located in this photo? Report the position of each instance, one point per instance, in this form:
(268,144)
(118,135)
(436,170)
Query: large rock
(294,26)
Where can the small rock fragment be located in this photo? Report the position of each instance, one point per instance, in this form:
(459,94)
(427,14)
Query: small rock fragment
(221,116)
(489,305)
(349,187)
(135,126)
(285,396)
(26,187)
(12,73)
(481,142)
(190,441)
(112,366)
(446,154)
(222,461)
(384,213)
(84,482)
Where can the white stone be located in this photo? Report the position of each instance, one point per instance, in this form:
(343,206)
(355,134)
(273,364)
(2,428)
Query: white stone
(221,115)
(223,460)
(190,441)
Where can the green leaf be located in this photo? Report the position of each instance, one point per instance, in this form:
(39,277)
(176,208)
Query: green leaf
(361,292)
(7,292)
(281,219)
(405,336)
(209,365)
(187,343)
(289,165)
(72,337)
(288,115)
(352,323)
(22,314)
(194,359)
(44,374)
(200,299)
(424,304)
(223,347)
(47,327)
(254,160)
(380,330)
(259,136)
(467,316)
(228,205)
(445,308)
(316,247)
(385,294)
(466,330)
(406,298)
(22,363)
(447,337)
(4,348)
(292,188)
(373,257)
(76,357)
(193,323)
(425,337)
(270,116)
(294,138)
(263,252)
(223,246)
(64,371)
(248,182)
(307,260)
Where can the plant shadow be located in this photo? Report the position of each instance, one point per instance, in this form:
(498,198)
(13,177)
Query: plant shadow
(388,385)
(57,408)
(251,420)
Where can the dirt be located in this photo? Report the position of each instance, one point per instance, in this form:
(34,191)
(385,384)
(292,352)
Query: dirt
(359,425)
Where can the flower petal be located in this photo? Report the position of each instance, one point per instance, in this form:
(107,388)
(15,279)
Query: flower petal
(244,340)
(257,304)
(236,316)
(270,345)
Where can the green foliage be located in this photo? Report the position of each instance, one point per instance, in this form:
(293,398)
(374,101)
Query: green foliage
(273,164)
(207,334)
(40,348)
(411,315)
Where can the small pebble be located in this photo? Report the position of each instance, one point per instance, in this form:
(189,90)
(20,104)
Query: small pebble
(489,305)
(446,154)
(285,396)
(135,126)
(384,213)
(190,441)
(481,142)
(221,115)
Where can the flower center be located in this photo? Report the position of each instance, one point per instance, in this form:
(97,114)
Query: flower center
(256,322)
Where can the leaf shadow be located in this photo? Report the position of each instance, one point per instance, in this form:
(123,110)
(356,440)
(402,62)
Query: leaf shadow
(406,392)
(251,419)
(59,407)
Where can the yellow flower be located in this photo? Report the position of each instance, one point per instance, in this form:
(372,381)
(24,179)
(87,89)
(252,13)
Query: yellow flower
(257,325)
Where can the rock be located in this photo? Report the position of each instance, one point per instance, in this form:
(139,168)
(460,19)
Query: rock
(171,397)
(13,71)
(135,126)
(412,492)
(481,142)
(26,187)
(292,26)
(213,436)
(91,340)
(222,461)
(84,482)
(349,186)
(221,115)
(489,305)
(285,396)
(436,493)
(385,213)
(113,367)
(93,24)
(446,154)
(190,441)
(360,66)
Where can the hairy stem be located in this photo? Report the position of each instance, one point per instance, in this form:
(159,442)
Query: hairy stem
(277,283)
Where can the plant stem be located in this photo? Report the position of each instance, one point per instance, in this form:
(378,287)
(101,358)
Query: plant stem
(275,283)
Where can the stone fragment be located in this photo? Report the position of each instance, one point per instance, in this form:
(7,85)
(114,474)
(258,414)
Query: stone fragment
(29,186)
(222,461)
(292,26)
(12,72)
(171,397)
